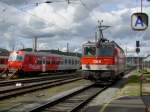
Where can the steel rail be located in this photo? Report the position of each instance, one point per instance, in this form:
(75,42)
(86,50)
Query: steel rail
(33,87)
(71,102)
(37,79)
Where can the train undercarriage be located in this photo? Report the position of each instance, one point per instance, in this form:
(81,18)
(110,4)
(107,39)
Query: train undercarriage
(102,75)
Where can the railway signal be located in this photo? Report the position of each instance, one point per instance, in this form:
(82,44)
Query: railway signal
(137,43)
(137,50)
(137,47)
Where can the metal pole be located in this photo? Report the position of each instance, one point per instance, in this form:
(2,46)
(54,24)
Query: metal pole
(34,44)
(95,36)
(141,5)
(68,47)
(141,87)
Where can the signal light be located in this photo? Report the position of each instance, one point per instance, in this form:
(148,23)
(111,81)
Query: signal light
(137,50)
(137,43)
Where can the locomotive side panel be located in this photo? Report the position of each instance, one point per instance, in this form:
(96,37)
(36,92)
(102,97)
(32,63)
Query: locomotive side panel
(120,61)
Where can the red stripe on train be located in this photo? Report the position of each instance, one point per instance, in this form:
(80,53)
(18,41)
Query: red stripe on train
(98,60)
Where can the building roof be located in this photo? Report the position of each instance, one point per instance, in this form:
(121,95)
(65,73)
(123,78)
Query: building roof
(147,58)
(4,52)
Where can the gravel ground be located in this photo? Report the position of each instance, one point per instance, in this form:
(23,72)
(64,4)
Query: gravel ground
(17,104)
(99,102)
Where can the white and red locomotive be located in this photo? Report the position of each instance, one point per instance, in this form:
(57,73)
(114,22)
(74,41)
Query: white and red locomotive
(102,60)
(36,62)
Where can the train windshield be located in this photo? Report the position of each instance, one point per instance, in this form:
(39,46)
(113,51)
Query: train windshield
(90,51)
(105,51)
(15,57)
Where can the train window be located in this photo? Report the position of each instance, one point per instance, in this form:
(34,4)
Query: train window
(105,51)
(39,60)
(62,62)
(72,62)
(69,61)
(2,61)
(19,58)
(65,61)
(47,62)
(75,62)
(78,62)
(90,51)
(12,57)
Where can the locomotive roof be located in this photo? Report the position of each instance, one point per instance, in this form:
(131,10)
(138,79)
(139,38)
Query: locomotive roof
(90,43)
(113,43)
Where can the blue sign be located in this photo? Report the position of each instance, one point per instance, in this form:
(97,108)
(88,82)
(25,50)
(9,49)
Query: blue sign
(139,21)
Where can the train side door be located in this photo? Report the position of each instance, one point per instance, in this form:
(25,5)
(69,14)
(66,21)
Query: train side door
(43,64)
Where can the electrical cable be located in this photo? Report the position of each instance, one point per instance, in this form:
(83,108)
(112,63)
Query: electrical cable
(42,19)
(85,6)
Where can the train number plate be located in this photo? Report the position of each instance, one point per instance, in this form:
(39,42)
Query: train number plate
(97,61)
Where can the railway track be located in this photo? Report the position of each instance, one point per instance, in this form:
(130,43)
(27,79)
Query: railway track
(37,79)
(71,102)
(10,92)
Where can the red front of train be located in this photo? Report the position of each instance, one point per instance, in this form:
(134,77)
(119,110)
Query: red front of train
(37,62)
(29,62)
(102,61)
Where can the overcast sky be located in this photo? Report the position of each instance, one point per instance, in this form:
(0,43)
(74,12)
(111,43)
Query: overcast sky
(59,23)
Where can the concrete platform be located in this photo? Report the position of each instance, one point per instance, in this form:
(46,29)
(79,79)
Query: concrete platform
(126,104)
(146,100)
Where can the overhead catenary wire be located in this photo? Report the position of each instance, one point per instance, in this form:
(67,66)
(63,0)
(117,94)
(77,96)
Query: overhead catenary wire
(40,18)
(88,9)
(46,20)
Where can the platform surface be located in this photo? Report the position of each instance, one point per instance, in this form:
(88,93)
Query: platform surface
(126,104)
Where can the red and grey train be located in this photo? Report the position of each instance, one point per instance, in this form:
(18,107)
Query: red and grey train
(102,60)
(36,62)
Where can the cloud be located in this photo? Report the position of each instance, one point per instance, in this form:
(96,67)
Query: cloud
(57,24)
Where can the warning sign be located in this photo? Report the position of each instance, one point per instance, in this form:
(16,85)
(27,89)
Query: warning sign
(139,21)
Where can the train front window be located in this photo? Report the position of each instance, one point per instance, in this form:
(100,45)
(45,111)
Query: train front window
(105,51)
(15,57)
(89,51)
(12,57)
(19,58)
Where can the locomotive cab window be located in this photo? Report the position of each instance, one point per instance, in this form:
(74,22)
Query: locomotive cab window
(19,58)
(105,51)
(90,51)
(15,57)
